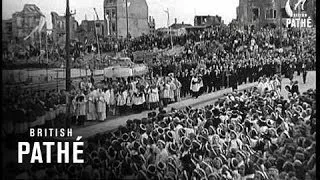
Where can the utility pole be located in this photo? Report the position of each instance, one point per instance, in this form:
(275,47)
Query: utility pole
(280,23)
(98,46)
(68,74)
(127,19)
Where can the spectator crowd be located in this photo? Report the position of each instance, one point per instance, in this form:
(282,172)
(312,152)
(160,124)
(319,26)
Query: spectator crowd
(231,39)
(245,135)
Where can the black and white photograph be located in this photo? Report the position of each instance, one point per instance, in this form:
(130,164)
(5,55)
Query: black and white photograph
(159,89)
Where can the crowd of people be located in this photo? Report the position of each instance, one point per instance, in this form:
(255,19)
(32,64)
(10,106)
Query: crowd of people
(22,105)
(168,81)
(255,134)
(252,134)
(200,69)
(232,40)
(166,85)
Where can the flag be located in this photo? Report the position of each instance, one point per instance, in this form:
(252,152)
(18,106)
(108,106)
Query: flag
(37,28)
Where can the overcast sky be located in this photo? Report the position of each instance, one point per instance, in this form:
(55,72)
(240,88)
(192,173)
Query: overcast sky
(183,10)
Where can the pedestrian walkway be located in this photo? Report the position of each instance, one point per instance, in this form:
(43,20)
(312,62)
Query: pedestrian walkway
(110,125)
(310,82)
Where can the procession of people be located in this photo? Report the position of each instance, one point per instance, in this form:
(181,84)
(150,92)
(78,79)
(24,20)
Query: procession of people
(205,72)
(250,134)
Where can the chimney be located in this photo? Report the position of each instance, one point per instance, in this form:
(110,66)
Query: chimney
(175,20)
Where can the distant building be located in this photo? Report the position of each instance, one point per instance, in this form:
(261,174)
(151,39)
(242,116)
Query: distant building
(59,27)
(179,28)
(87,30)
(116,19)
(272,13)
(162,31)
(7,34)
(207,20)
(25,21)
(177,25)
(152,25)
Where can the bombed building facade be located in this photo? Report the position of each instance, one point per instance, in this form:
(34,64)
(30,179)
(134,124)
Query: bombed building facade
(116,13)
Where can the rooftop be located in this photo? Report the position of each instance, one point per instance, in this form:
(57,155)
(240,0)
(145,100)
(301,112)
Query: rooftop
(30,8)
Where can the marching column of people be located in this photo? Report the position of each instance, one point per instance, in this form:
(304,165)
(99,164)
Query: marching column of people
(121,97)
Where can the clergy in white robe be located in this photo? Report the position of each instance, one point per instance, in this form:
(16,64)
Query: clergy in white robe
(172,90)
(153,97)
(91,108)
(101,107)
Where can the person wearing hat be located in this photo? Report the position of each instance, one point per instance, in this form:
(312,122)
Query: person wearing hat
(235,142)
(163,152)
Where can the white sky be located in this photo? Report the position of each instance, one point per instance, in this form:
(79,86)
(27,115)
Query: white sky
(183,10)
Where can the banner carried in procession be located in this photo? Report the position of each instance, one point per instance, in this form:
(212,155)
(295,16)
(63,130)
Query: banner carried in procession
(38,28)
(111,72)
(124,67)
(139,70)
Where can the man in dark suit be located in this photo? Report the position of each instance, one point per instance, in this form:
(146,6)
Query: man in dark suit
(304,73)
(212,80)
